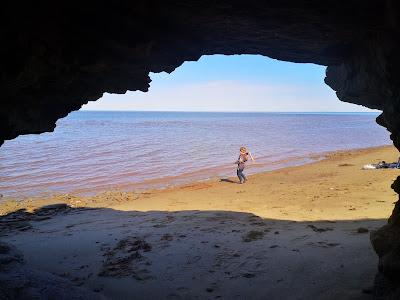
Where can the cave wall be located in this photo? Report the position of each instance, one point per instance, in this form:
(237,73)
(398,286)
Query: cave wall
(372,76)
(55,57)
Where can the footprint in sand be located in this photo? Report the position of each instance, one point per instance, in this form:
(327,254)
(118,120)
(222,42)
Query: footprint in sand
(248,275)
(253,235)
(167,237)
(327,244)
(301,238)
(159,226)
(173,296)
(323,244)
(316,229)
(362,230)
(193,260)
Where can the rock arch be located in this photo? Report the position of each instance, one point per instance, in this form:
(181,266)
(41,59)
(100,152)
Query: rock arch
(56,57)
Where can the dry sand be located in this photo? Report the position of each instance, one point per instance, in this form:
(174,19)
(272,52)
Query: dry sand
(294,233)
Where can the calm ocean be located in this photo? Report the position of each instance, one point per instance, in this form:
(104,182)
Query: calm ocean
(96,151)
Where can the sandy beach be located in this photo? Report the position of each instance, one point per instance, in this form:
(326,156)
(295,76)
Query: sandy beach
(294,233)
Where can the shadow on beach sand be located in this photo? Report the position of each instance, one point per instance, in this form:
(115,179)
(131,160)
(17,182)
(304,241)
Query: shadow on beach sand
(228,180)
(92,253)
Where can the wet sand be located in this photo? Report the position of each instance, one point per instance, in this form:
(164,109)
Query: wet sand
(294,233)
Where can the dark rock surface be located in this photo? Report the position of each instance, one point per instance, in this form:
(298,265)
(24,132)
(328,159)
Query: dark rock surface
(57,56)
(371,77)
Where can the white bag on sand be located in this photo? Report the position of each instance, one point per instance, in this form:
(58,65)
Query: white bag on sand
(369,167)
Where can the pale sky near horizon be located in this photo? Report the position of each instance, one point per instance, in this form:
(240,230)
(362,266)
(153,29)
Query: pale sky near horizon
(239,83)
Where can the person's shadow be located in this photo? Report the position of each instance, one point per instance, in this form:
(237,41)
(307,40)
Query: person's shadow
(227,180)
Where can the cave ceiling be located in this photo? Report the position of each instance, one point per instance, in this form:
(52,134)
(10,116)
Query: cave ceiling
(57,56)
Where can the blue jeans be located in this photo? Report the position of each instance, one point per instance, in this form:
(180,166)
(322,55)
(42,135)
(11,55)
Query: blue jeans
(241,176)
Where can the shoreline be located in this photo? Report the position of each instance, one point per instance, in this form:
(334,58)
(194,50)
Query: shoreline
(117,197)
(262,165)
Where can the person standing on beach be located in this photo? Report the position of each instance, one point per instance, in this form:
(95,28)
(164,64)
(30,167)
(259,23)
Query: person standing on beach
(244,156)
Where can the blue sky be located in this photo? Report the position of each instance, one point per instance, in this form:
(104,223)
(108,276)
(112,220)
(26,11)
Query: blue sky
(233,83)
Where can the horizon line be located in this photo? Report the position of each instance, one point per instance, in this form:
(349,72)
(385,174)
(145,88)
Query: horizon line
(220,111)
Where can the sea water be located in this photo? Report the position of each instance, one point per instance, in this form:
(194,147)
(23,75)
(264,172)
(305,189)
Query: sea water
(91,152)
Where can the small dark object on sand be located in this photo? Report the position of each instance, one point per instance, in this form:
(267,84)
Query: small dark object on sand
(167,237)
(249,275)
(253,236)
(362,230)
(316,229)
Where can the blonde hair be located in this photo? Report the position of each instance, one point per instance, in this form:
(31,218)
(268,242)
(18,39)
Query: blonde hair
(243,149)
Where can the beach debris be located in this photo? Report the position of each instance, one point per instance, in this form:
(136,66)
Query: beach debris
(256,221)
(126,259)
(316,229)
(324,244)
(345,165)
(253,235)
(362,230)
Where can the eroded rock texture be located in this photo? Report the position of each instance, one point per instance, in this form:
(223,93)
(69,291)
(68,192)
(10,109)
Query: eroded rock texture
(371,77)
(56,56)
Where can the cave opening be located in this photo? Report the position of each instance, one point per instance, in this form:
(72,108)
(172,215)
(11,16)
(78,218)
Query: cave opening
(277,227)
(58,57)
(198,116)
